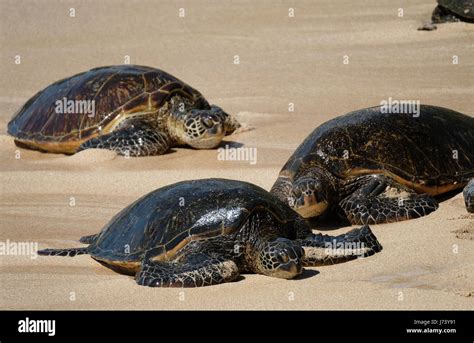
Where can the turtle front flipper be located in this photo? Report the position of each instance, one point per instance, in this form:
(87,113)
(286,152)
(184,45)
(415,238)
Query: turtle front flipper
(379,199)
(324,249)
(139,139)
(196,270)
(468,194)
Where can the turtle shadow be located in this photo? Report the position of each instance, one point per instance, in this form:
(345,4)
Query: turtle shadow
(328,223)
(306,274)
(448,195)
(170,151)
(239,278)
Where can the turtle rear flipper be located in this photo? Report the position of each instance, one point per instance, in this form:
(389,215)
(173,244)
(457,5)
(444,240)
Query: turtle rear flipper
(196,270)
(468,194)
(324,249)
(63,252)
(88,239)
(139,139)
(382,200)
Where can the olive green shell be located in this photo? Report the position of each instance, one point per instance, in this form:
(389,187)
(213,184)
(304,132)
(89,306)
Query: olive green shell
(116,90)
(463,8)
(435,148)
(169,217)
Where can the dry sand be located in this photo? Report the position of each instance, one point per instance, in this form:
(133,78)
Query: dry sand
(424,265)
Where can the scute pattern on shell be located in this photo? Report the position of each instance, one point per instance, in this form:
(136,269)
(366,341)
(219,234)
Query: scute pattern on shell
(419,149)
(174,215)
(116,90)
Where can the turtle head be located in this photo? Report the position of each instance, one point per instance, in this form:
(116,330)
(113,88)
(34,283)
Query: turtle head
(281,258)
(202,129)
(309,196)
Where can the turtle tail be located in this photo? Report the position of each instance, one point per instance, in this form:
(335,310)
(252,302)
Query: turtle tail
(63,252)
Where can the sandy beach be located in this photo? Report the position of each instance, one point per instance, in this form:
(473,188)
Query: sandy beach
(283,60)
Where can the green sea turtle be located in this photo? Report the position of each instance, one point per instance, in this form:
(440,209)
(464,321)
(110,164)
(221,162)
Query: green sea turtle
(375,166)
(203,232)
(133,110)
(450,11)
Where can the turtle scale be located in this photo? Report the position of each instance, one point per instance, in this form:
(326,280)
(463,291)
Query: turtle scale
(157,219)
(388,141)
(118,91)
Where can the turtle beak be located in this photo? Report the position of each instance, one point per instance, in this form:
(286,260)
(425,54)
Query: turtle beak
(293,265)
(309,204)
(288,270)
(310,199)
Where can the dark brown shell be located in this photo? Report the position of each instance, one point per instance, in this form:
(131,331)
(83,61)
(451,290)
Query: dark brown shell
(168,218)
(118,91)
(436,148)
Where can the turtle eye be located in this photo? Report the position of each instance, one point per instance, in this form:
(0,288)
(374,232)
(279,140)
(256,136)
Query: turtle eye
(208,122)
